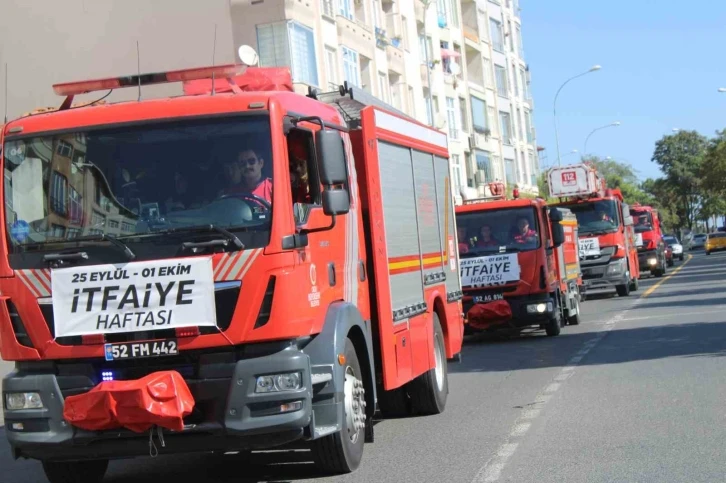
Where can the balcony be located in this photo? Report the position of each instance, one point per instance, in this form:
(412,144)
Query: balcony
(356,36)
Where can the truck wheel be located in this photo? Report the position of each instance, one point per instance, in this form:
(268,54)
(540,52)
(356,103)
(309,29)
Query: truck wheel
(554,326)
(429,391)
(91,471)
(575,319)
(623,290)
(634,285)
(394,403)
(670,262)
(708,252)
(680,257)
(342,452)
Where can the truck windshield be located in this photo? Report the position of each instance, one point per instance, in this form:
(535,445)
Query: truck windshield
(140,183)
(596,217)
(496,231)
(642,221)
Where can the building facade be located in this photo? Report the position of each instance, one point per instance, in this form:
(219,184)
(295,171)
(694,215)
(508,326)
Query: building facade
(455,64)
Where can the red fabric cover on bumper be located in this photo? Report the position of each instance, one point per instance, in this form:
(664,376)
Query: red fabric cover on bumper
(162,399)
(484,315)
(255,79)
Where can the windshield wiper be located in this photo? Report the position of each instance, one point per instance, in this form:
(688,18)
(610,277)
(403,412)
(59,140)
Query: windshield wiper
(229,237)
(53,257)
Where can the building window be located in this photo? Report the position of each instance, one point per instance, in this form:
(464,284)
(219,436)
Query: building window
(484,164)
(463,115)
(456,174)
(506,127)
(523,78)
(519,42)
(59,194)
(495,29)
(481,21)
(533,169)
(76,207)
(64,149)
(528,126)
(383,87)
(347,9)
(328,8)
(478,114)
(113,223)
(331,68)
(73,233)
(58,231)
(289,44)
(509,171)
(351,67)
(519,125)
(501,78)
(97,219)
(515,78)
(451,118)
(510,35)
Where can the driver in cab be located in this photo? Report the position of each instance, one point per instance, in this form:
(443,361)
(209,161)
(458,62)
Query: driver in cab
(244,176)
(524,234)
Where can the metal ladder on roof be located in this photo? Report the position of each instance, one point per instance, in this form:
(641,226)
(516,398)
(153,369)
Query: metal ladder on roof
(351,100)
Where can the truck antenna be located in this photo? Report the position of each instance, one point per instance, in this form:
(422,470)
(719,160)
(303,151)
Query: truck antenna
(138,66)
(6,93)
(214,53)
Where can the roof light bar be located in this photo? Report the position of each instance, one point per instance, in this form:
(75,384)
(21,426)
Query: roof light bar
(82,87)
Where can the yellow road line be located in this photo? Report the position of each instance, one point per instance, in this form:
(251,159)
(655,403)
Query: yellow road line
(652,289)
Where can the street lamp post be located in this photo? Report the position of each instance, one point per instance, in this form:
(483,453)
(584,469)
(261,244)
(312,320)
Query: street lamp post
(612,124)
(554,108)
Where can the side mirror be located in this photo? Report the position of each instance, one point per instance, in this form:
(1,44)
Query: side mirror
(555,215)
(333,172)
(558,234)
(331,157)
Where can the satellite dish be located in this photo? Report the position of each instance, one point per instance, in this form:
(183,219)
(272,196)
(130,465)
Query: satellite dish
(248,55)
(454,68)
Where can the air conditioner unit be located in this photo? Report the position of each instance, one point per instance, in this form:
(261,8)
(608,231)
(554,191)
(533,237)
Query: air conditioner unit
(472,141)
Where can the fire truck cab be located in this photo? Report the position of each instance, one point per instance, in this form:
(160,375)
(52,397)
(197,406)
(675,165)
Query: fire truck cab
(519,264)
(649,239)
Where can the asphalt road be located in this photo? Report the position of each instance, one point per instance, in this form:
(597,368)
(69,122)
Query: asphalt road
(636,392)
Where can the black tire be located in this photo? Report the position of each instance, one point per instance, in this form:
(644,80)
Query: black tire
(429,391)
(575,319)
(554,326)
(680,257)
(623,290)
(394,403)
(342,452)
(91,471)
(708,252)
(670,262)
(634,285)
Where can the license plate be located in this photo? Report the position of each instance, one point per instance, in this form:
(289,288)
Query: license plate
(139,350)
(488,298)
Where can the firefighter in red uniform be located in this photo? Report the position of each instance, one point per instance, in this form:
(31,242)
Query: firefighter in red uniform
(463,240)
(524,233)
(245,176)
(487,240)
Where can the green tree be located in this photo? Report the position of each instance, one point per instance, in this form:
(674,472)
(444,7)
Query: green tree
(680,157)
(661,195)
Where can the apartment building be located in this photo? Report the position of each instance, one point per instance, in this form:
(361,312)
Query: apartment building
(476,78)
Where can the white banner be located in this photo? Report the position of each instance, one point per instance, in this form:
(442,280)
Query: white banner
(638,239)
(490,270)
(589,246)
(133,297)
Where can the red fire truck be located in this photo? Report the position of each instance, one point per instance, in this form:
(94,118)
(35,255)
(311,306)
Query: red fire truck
(649,239)
(519,263)
(284,261)
(607,241)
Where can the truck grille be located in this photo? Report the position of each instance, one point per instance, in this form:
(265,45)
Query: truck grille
(225,299)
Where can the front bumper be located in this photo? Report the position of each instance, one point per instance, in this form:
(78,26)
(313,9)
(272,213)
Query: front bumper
(228,414)
(608,276)
(521,316)
(645,260)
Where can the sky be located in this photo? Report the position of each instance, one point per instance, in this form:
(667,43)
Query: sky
(662,64)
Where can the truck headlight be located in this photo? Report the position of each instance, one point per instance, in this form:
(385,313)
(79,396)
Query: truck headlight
(616,267)
(652,261)
(16,401)
(540,308)
(290,381)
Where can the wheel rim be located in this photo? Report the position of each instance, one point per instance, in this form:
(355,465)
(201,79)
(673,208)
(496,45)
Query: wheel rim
(355,404)
(439,369)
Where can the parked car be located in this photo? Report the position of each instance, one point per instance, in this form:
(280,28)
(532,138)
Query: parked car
(676,245)
(715,242)
(698,241)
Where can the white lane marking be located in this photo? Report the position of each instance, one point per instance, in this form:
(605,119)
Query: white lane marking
(492,469)
(677,315)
